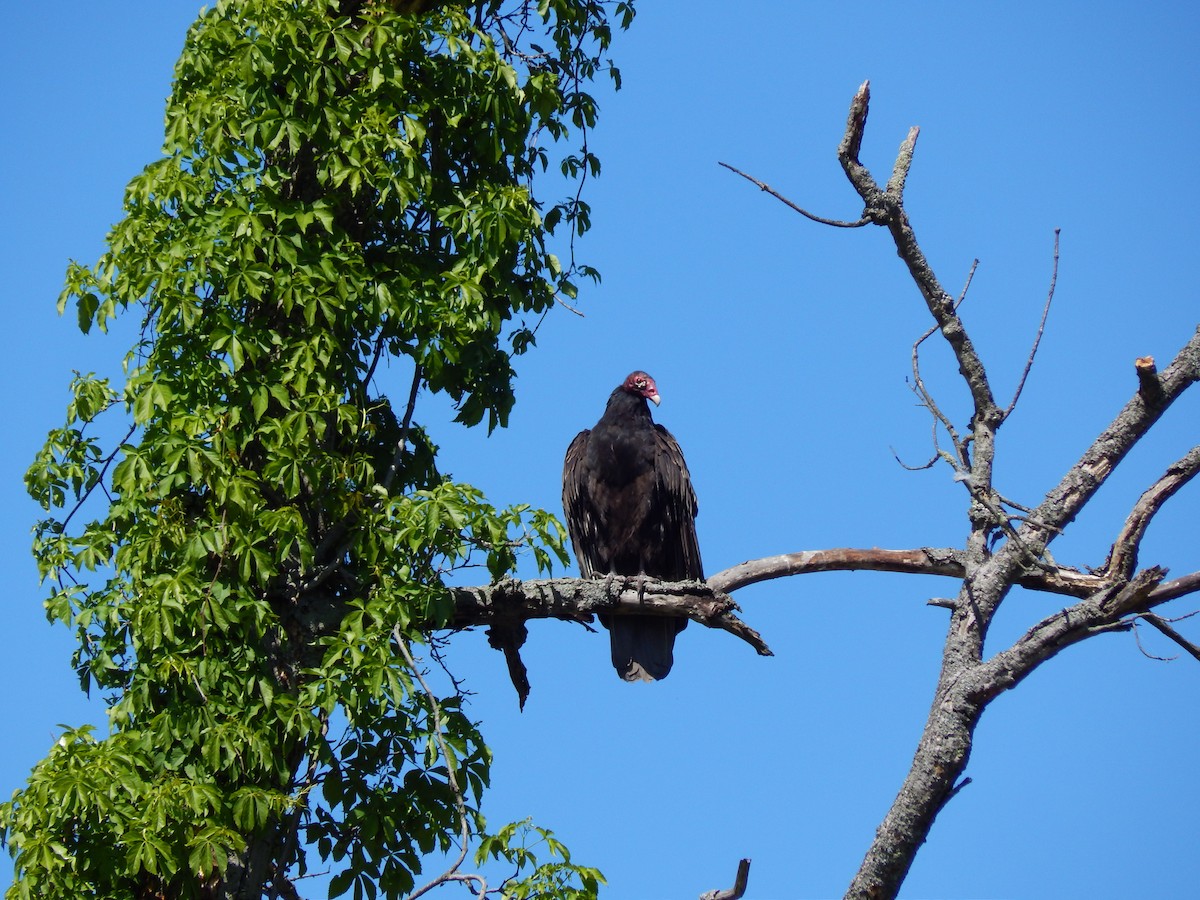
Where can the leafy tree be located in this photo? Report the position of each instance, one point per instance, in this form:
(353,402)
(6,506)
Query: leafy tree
(344,182)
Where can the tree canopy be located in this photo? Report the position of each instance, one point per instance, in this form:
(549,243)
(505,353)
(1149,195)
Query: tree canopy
(246,561)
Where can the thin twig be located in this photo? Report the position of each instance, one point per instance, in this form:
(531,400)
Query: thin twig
(375,357)
(402,441)
(967,286)
(1041,329)
(99,478)
(778,196)
(559,300)
(1161,624)
(923,393)
(939,418)
(451,775)
(928,464)
(953,793)
(1137,639)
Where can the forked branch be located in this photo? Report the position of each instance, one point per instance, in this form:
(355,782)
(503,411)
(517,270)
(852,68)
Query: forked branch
(885,207)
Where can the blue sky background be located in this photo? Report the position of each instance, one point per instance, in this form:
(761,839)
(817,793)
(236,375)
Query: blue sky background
(781,349)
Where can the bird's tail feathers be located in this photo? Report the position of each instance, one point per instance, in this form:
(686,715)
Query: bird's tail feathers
(642,646)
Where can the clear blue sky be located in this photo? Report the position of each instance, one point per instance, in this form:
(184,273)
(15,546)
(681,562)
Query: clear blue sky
(781,350)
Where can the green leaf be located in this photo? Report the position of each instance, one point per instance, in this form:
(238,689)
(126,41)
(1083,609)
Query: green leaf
(87,306)
(340,883)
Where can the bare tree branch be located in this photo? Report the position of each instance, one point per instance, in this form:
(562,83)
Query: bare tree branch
(1103,611)
(1002,549)
(944,561)
(1081,482)
(921,561)
(578,599)
(513,602)
(1178,587)
(904,158)
(1041,329)
(1122,559)
(739,885)
(851,145)
(1161,624)
(506,606)
(778,196)
(884,208)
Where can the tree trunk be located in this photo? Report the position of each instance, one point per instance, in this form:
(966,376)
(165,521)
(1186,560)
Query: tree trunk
(932,780)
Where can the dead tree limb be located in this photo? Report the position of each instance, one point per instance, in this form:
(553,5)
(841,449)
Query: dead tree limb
(1164,626)
(945,561)
(578,599)
(739,885)
(1001,550)
(1122,558)
(505,607)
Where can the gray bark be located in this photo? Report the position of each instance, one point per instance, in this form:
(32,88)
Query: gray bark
(1003,548)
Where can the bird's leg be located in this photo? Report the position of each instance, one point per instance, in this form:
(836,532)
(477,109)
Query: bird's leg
(609,580)
(627,581)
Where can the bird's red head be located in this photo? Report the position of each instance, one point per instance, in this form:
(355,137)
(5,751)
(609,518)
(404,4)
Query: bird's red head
(643,385)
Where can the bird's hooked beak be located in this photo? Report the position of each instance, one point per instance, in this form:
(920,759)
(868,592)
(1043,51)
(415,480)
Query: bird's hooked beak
(654,398)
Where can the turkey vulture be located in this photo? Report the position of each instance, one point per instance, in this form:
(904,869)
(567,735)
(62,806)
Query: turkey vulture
(631,510)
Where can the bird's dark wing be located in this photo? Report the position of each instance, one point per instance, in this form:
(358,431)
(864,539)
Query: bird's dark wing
(630,510)
(675,509)
(582,521)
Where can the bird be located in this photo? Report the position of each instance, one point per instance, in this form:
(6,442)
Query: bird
(631,511)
